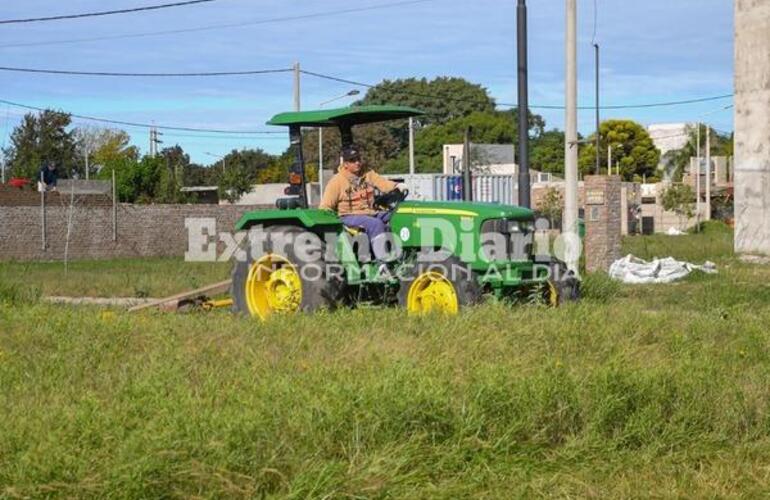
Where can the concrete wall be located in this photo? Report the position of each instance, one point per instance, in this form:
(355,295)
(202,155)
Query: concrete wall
(143,230)
(752,126)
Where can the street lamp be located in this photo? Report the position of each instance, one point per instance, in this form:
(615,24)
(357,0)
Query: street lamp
(217,156)
(321,140)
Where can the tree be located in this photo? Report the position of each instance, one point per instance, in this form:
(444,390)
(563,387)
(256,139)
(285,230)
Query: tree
(102,146)
(551,206)
(136,181)
(679,198)
(547,152)
(632,149)
(38,138)
(677,161)
(443,98)
(233,182)
(377,146)
(498,127)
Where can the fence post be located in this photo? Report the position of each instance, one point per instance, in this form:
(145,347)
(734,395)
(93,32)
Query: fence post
(114,209)
(42,211)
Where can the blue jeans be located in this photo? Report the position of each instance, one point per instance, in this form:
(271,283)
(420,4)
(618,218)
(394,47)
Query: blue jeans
(373,225)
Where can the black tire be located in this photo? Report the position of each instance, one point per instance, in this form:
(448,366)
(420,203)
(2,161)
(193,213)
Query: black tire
(319,289)
(463,280)
(563,286)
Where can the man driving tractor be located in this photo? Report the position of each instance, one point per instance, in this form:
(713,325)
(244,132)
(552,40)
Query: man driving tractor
(350,193)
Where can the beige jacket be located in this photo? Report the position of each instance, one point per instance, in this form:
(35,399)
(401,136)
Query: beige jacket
(348,194)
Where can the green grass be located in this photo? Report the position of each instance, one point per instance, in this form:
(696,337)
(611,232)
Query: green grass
(636,391)
(150,277)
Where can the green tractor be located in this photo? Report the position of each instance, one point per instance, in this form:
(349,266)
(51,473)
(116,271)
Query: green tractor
(443,255)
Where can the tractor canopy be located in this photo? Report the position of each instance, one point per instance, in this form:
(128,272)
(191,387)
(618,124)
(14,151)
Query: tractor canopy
(344,117)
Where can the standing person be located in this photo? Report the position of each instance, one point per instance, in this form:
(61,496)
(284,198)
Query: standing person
(350,193)
(47,177)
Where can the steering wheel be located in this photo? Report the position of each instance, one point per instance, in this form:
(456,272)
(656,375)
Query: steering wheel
(390,201)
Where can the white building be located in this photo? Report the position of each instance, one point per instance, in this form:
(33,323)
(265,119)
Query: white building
(492,159)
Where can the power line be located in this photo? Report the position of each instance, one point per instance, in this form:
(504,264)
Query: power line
(103,13)
(299,17)
(141,125)
(512,105)
(108,73)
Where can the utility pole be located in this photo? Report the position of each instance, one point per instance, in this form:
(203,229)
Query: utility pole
(523,121)
(609,159)
(296,87)
(708,172)
(87,166)
(411,146)
(570,217)
(697,175)
(596,52)
(154,141)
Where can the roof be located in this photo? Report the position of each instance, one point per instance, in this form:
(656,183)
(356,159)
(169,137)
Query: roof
(352,115)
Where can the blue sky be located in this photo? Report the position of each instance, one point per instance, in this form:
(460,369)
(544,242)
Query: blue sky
(656,50)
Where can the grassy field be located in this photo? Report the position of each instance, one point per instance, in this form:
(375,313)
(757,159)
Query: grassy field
(636,391)
(151,277)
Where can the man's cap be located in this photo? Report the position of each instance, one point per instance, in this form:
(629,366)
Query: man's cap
(350,153)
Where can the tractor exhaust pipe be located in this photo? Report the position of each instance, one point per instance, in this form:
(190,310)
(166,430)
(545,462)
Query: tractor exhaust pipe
(467,184)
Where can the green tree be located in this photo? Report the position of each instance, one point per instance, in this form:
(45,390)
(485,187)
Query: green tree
(136,181)
(41,137)
(679,198)
(547,152)
(632,149)
(498,127)
(233,182)
(551,205)
(443,98)
(677,161)
(102,146)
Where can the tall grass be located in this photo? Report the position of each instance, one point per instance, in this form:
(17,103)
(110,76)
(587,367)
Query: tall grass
(656,391)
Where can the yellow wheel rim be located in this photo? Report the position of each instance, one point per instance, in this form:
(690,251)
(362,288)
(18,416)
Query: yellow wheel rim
(273,286)
(551,295)
(432,292)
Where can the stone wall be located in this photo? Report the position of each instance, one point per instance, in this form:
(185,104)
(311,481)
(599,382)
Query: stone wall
(602,220)
(752,126)
(142,230)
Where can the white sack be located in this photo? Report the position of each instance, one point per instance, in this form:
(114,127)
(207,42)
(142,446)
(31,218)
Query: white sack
(631,269)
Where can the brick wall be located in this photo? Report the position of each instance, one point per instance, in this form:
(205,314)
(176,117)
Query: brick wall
(142,230)
(28,197)
(603,221)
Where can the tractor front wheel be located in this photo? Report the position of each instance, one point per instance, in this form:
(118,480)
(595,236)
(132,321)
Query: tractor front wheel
(441,286)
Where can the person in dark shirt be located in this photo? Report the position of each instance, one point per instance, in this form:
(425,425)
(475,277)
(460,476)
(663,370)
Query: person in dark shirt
(47,177)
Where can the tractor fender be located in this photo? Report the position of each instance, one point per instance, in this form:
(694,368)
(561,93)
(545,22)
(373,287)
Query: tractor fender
(310,218)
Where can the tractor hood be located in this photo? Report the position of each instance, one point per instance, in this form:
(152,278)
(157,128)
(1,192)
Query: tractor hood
(465,209)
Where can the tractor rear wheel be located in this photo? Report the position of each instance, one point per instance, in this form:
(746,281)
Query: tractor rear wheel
(443,286)
(277,281)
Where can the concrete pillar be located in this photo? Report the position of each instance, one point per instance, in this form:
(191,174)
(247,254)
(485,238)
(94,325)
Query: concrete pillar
(752,127)
(603,221)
